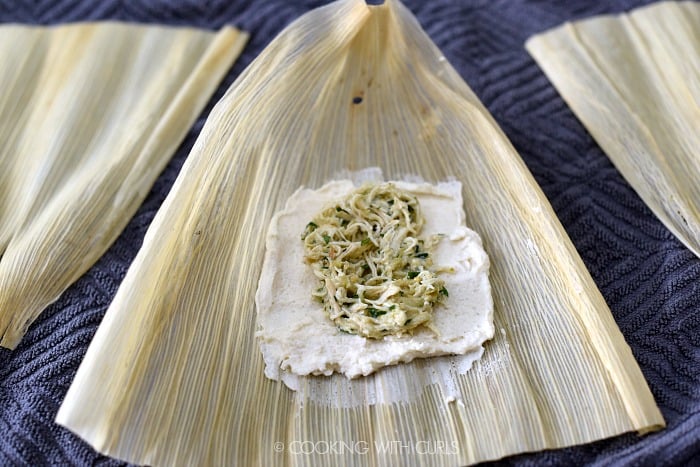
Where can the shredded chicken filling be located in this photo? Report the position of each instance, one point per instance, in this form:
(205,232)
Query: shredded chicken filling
(376,274)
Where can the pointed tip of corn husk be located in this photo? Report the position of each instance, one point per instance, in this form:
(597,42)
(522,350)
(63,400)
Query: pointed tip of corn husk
(70,182)
(558,374)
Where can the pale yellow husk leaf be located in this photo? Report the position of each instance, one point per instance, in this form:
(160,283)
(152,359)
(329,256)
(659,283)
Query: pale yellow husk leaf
(174,375)
(634,82)
(89,119)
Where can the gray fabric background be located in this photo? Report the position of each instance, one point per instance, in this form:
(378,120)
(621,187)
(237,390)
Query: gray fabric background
(650,281)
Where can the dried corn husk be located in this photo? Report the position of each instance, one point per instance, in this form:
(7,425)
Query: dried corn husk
(88,120)
(174,374)
(634,82)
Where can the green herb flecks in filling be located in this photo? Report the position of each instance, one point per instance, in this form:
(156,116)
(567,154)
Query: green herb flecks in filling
(375,272)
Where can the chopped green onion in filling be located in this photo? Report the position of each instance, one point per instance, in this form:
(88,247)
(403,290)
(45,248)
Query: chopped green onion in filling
(375,272)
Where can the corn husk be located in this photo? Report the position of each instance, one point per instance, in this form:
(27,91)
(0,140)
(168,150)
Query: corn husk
(89,119)
(634,82)
(174,375)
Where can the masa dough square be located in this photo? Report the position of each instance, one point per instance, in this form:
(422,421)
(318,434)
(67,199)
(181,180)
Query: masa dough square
(296,335)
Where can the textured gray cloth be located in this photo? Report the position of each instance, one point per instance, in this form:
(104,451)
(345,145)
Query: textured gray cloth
(650,281)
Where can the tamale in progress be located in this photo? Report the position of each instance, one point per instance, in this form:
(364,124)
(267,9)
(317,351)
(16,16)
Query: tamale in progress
(344,88)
